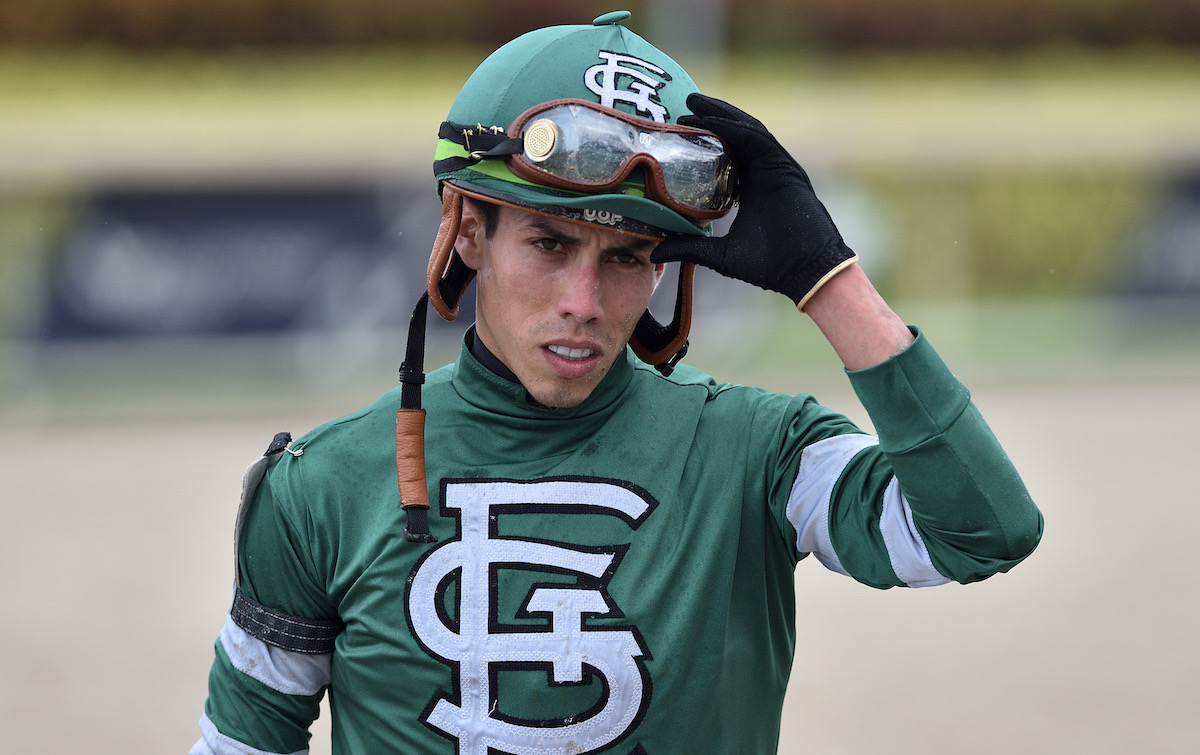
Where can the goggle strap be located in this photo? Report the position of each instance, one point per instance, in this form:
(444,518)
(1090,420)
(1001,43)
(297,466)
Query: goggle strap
(479,141)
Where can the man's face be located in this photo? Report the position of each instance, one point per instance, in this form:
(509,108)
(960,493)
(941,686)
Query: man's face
(557,301)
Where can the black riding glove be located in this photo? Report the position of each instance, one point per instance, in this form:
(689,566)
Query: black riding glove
(782,238)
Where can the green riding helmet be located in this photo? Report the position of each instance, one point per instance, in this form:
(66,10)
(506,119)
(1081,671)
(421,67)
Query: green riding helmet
(602,63)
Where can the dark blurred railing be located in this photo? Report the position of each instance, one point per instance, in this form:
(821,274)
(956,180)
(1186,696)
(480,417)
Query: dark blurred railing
(849,25)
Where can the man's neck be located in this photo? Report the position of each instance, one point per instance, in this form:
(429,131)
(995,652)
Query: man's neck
(489,360)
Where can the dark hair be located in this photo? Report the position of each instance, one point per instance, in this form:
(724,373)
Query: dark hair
(491,217)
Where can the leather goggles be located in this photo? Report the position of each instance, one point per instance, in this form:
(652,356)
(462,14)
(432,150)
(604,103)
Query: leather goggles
(580,146)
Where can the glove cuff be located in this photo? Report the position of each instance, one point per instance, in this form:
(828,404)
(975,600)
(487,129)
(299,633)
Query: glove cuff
(839,267)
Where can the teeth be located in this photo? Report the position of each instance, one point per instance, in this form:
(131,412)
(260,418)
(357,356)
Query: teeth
(568,353)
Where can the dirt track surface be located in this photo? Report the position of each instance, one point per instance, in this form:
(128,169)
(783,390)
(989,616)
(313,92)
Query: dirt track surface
(116,546)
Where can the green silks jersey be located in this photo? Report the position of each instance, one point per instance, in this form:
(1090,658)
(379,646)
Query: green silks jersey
(616,577)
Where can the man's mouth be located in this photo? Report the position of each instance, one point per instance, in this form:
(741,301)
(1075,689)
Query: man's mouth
(568,353)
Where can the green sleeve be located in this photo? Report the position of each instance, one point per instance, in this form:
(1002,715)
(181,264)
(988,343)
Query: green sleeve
(968,502)
(277,573)
(248,711)
(277,541)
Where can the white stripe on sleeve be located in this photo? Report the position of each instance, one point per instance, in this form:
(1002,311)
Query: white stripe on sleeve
(821,464)
(282,670)
(213,742)
(906,550)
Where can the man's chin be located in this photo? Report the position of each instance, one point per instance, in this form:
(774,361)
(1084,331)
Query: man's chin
(562,394)
(563,399)
(565,391)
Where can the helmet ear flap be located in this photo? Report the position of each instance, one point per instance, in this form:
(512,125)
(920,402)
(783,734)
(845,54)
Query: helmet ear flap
(447,276)
(664,345)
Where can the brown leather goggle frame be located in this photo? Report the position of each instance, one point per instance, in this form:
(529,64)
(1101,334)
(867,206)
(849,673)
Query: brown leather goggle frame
(656,186)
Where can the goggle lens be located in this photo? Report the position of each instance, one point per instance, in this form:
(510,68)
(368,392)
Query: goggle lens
(587,148)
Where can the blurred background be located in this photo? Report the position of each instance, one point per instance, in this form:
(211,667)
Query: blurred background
(214,222)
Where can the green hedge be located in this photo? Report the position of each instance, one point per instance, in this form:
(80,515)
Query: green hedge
(997,232)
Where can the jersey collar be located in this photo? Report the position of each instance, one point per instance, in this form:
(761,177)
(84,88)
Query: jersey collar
(491,390)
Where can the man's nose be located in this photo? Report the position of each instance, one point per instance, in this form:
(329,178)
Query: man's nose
(580,297)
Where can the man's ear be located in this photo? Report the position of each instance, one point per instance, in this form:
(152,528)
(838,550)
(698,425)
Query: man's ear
(470,234)
(659,269)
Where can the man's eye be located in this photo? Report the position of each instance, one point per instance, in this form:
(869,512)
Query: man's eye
(629,259)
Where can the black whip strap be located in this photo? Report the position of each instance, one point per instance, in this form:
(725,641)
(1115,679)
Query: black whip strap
(410,438)
(412,369)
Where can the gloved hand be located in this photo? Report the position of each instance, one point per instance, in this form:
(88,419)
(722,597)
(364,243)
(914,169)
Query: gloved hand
(782,238)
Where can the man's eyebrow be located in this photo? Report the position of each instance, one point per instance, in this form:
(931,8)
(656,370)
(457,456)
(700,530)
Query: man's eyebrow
(633,245)
(554,231)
